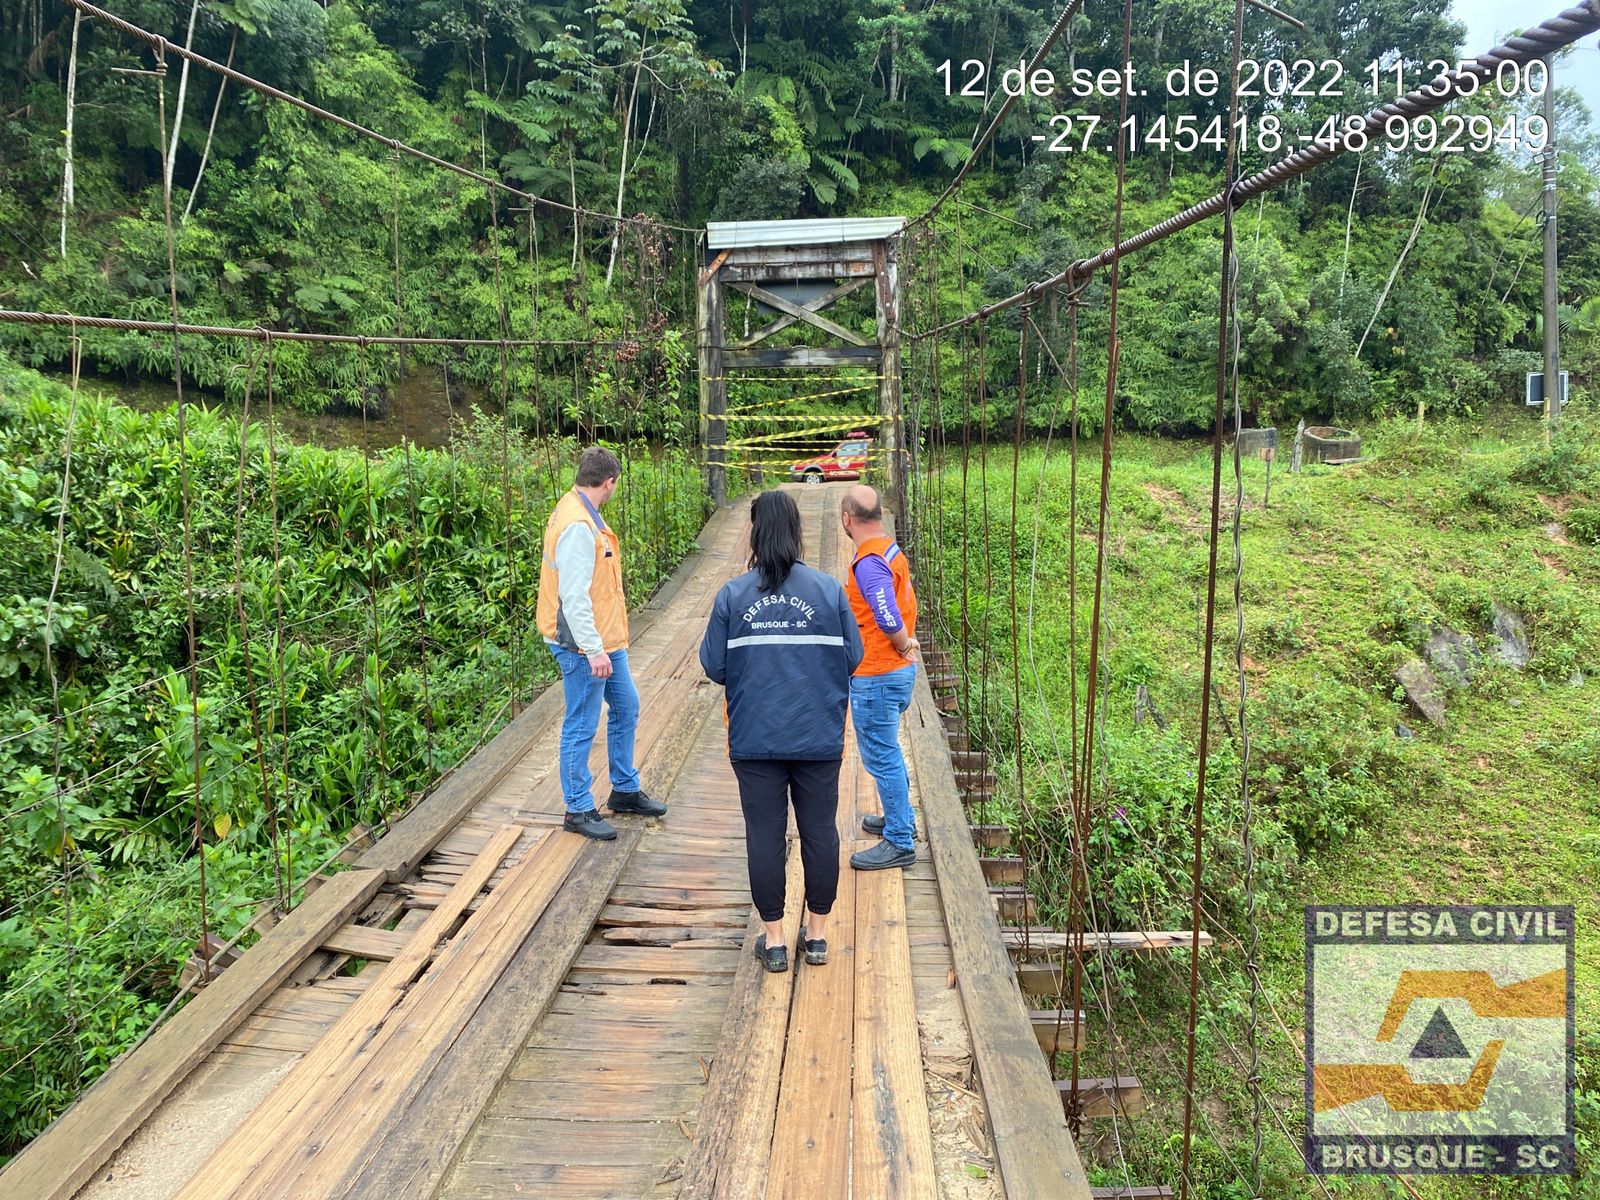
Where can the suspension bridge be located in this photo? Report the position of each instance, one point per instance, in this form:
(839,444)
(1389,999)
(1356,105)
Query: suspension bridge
(479,1005)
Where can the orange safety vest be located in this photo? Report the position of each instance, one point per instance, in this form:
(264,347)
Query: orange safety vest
(605,590)
(881,656)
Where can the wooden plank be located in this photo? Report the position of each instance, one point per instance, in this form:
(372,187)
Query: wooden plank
(811,1137)
(893,1141)
(307,1091)
(1039,978)
(410,1047)
(1057,1032)
(1001,869)
(703,918)
(1102,1097)
(571,1100)
(1034,1150)
(417,1146)
(520,1141)
(799,312)
(363,941)
(808,255)
(728,1158)
(832,268)
(802,356)
(671,935)
(823,301)
(1014,904)
(1040,940)
(62,1158)
(991,837)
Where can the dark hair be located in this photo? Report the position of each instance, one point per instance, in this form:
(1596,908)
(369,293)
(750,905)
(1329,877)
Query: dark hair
(775,540)
(596,465)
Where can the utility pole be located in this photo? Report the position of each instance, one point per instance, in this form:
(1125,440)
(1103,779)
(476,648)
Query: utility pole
(1552,332)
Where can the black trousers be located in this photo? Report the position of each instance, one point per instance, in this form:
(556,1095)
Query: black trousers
(766,789)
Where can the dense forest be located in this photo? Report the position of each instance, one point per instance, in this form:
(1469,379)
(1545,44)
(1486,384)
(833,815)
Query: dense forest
(689,112)
(383,593)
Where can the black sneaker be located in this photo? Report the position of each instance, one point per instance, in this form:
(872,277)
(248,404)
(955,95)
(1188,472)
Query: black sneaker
(591,824)
(815,949)
(873,823)
(635,802)
(882,856)
(774,958)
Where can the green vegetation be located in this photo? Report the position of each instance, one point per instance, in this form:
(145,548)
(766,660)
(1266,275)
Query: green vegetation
(387,621)
(1345,575)
(683,110)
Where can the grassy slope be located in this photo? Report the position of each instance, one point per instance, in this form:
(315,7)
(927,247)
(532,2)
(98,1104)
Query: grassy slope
(1341,572)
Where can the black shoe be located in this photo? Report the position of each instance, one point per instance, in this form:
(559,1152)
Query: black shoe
(635,802)
(881,856)
(591,824)
(873,823)
(774,958)
(815,949)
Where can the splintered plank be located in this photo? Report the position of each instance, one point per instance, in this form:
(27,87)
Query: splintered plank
(331,1096)
(892,1143)
(811,1139)
(66,1155)
(728,1158)
(415,1148)
(1033,1147)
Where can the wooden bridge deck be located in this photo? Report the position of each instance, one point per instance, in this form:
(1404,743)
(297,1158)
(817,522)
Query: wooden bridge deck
(485,1006)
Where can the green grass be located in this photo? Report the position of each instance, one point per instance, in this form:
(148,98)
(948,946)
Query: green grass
(1344,576)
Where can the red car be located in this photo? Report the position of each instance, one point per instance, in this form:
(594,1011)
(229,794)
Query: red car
(847,460)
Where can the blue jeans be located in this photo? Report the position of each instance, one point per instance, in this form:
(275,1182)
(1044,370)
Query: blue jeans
(583,693)
(876,705)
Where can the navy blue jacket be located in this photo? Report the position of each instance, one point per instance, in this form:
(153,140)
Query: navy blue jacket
(785,658)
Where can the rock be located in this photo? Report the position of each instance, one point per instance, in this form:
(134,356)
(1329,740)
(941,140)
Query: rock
(1511,638)
(1576,679)
(1452,656)
(1402,730)
(1513,702)
(1422,688)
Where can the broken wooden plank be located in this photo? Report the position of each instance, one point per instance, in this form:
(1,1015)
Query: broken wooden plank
(62,1158)
(413,1151)
(306,1093)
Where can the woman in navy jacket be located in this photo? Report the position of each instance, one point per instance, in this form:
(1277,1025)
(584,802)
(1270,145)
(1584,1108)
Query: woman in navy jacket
(783,643)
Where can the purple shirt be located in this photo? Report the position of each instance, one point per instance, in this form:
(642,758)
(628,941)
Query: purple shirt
(876,582)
